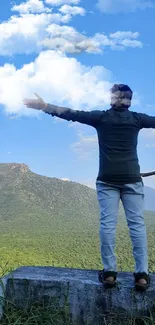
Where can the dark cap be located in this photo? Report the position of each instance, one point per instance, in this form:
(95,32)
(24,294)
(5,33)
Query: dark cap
(123,88)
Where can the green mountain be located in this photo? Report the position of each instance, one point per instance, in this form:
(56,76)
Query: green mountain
(47,221)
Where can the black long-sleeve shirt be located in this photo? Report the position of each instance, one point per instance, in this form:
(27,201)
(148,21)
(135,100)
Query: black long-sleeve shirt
(117,131)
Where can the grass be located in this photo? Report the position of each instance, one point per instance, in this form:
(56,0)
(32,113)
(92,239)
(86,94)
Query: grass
(40,314)
(37,314)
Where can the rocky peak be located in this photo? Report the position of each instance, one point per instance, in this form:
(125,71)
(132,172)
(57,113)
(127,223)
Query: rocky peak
(21,167)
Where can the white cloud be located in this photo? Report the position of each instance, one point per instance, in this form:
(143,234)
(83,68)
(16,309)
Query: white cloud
(62,2)
(72,10)
(118,40)
(86,147)
(126,39)
(131,43)
(58,79)
(117,6)
(23,34)
(34,32)
(124,35)
(65,179)
(31,6)
(67,39)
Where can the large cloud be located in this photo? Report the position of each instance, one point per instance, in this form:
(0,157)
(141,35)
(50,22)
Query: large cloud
(116,6)
(67,39)
(37,27)
(34,32)
(58,79)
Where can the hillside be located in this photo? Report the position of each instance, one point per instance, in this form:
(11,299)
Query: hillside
(23,193)
(47,221)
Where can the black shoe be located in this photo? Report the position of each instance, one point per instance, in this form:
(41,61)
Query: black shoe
(139,276)
(103,275)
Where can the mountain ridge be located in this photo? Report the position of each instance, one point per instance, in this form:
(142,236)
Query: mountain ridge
(7,168)
(48,221)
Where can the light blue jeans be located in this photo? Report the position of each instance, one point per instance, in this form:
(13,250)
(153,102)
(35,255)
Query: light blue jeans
(132,197)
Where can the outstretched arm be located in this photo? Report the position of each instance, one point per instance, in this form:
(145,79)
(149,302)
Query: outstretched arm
(148,174)
(146,121)
(91,118)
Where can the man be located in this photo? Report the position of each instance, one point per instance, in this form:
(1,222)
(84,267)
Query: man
(118,178)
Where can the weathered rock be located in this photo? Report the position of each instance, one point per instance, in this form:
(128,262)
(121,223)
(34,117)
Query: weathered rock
(87,299)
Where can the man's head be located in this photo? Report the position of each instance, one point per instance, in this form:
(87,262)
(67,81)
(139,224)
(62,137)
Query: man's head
(121,96)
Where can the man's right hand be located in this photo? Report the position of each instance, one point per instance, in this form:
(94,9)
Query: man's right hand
(38,103)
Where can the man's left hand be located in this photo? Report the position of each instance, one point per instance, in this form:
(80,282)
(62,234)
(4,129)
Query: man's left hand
(35,103)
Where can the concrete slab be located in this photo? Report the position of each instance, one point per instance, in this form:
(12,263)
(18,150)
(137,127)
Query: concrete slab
(86,298)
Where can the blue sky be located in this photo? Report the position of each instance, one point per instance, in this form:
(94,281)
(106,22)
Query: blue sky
(71,52)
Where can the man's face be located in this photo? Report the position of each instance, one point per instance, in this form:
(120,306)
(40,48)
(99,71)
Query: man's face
(121,98)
